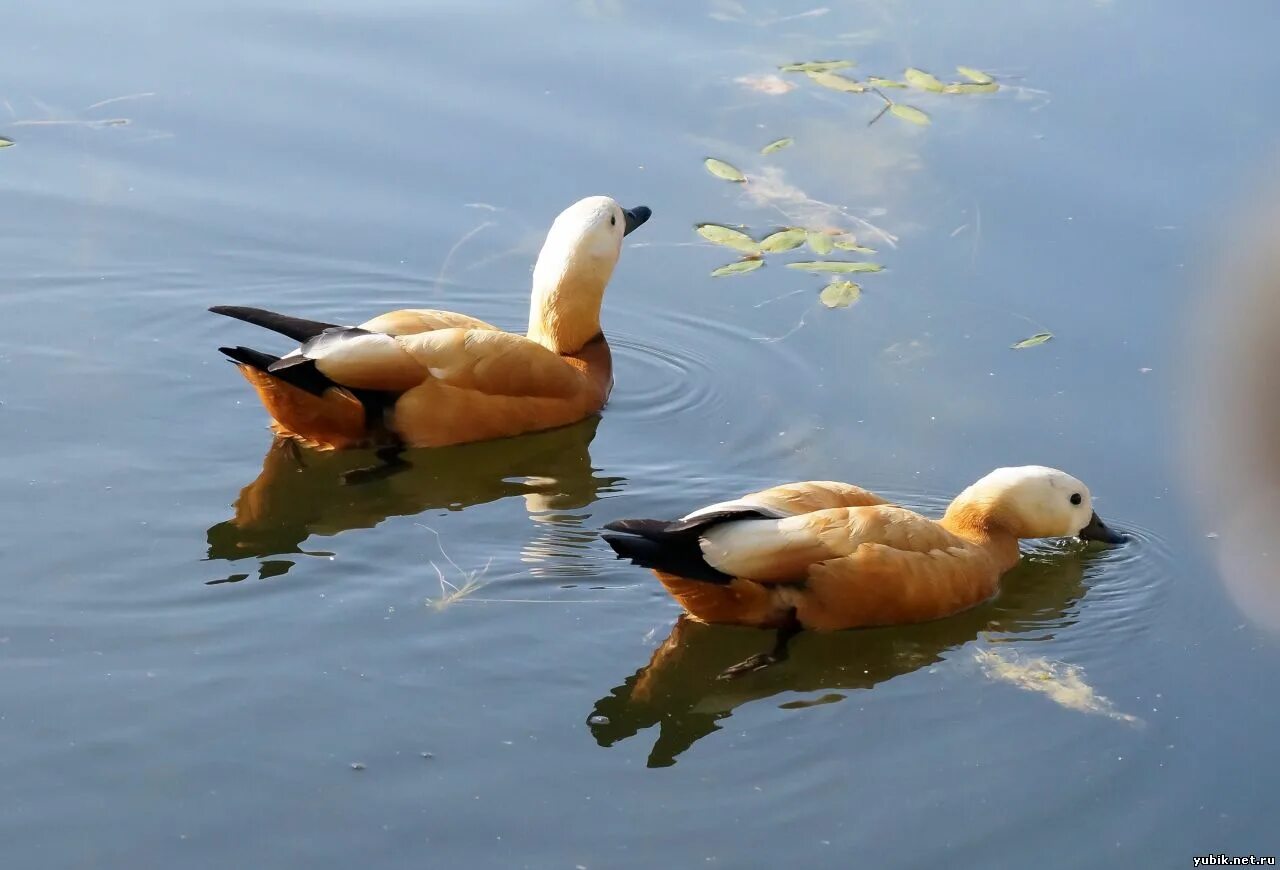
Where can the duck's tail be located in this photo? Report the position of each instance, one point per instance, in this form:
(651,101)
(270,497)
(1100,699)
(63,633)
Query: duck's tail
(671,546)
(297,328)
(305,377)
(305,404)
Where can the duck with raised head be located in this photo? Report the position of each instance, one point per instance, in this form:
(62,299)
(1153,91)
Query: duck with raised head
(428,378)
(823,555)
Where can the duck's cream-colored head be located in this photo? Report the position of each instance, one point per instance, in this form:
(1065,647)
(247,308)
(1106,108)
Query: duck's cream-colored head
(1030,501)
(575,265)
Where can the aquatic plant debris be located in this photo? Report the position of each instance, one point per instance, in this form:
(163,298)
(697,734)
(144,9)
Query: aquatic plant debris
(909,113)
(837,82)
(729,237)
(837,266)
(739,268)
(1038,338)
(925,81)
(820,243)
(721,169)
(878,82)
(840,294)
(784,240)
(809,66)
(5,143)
(971,88)
(767,84)
(778,145)
(1063,683)
(849,244)
(976,76)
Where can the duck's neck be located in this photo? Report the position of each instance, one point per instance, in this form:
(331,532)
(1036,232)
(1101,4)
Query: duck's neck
(564,313)
(977,518)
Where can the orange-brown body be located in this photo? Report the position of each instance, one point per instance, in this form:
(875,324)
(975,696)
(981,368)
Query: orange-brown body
(833,556)
(428,378)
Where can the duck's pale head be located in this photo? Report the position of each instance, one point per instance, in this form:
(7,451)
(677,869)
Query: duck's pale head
(574,267)
(1033,501)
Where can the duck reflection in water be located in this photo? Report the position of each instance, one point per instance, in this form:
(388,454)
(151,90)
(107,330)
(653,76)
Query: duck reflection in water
(681,690)
(300,493)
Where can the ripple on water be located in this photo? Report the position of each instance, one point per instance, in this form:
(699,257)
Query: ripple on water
(686,372)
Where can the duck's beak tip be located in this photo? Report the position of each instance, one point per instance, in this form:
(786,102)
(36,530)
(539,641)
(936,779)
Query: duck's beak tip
(634,217)
(1097,530)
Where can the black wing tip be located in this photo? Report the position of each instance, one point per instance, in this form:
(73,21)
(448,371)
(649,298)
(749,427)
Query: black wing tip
(638,526)
(248,356)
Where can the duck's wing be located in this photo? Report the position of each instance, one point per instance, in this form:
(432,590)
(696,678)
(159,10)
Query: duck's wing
(484,360)
(807,496)
(743,533)
(410,321)
(786,550)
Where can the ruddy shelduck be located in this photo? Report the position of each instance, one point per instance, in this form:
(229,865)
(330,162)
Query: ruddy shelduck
(824,555)
(427,378)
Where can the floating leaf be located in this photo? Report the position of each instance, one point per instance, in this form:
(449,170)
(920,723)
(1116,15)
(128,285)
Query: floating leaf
(778,145)
(835,266)
(840,294)
(878,82)
(738,268)
(837,82)
(816,66)
(976,76)
(918,78)
(720,169)
(1038,338)
(969,88)
(783,240)
(728,237)
(848,244)
(909,113)
(820,242)
(5,143)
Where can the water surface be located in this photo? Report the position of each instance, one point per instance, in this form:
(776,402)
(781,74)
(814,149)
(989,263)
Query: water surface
(215,655)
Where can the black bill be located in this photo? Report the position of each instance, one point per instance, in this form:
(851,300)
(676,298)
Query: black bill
(1097,530)
(634,217)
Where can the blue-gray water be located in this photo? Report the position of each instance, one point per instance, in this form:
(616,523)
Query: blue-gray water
(336,159)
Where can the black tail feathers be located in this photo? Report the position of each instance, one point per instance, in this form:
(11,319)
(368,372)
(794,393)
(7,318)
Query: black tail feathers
(304,377)
(652,544)
(297,328)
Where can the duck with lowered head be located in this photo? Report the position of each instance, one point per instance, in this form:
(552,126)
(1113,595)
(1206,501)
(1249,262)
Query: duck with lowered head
(825,556)
(428,378)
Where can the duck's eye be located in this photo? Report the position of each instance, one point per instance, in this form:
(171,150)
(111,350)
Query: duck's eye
(1075,498)
(613,220)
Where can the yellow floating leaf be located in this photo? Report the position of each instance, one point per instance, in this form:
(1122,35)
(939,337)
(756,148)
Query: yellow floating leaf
(778,145)
(1038,338)
(738,268)
(727,171)
(816,66)
(918,78)
(835,266)
(976,76)
(728,237)
(821,243)
(878,82)
(909,113)
(837,82)
(5,143)
(783,240)
(970,88)
(848,244)
(840,294)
